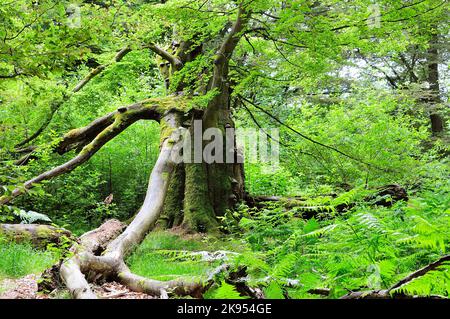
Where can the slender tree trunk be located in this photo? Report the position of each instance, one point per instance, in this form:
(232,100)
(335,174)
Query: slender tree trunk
(436,119)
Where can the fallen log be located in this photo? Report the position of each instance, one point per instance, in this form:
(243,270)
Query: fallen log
(39,235)
(384,196)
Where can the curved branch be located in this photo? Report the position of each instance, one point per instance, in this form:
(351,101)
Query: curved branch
(55,106)
(227,47)
(387,293)
(117,58)
(155,287)
(176,63)
(260,127)
(421,272)
(154,199)
(105,129)
(110,263)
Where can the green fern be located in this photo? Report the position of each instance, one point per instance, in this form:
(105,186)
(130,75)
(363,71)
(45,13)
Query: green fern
(434,282)
(227,291)
(285,266)
(29,217)
(320,232)
(273,291)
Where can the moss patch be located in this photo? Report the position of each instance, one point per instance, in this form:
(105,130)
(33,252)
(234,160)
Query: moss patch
(168,103)
(173,204)
(198,211)
(164,255)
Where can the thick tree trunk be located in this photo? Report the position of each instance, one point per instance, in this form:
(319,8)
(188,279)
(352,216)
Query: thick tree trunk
(199,192)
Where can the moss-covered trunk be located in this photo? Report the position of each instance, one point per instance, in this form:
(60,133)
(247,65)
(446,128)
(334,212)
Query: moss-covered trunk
(199,192)
(207,189)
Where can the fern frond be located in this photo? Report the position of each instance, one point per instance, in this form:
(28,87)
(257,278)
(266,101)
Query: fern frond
(285,266)
(319,232)
(227,291)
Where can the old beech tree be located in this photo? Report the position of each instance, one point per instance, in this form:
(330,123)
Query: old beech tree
(191,195)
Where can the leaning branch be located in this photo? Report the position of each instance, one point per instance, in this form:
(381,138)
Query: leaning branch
(105,128)
(390,293)
(421,272)
(117,58)
(87,259)
(260,127)
(54,107)
(176,63)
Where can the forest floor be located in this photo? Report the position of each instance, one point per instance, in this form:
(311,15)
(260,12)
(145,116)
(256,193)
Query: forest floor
(277,253)
(27,288)
(21,288)
(163,255)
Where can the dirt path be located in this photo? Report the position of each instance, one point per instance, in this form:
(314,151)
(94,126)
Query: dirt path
(26,288)
(22,288)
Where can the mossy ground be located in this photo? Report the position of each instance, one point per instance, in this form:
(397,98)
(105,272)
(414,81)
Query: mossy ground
(164,255)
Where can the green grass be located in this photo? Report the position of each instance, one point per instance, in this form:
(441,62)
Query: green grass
(162,256)
(17,260)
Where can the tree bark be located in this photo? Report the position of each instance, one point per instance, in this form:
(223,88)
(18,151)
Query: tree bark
(197,192)
(95,135)
(390,293)
(87,263)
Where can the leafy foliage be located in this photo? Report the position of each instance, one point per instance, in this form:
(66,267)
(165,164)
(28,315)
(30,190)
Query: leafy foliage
(366,248)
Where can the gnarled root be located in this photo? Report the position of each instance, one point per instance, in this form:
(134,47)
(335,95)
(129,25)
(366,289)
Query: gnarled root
(100,255)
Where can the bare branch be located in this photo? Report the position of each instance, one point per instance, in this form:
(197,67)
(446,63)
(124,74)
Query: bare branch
(308,138)
(105,128)
(388,293)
